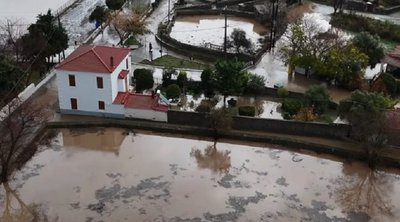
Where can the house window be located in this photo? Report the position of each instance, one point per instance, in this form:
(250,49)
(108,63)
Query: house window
(71,79)
(127,64)
(101,105)
(74,103)
(99,82)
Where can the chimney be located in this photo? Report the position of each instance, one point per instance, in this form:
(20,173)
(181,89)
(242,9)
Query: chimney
(112,61)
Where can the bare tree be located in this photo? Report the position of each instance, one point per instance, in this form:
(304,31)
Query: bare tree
(10,32)
(125,25)
(20,123)
(219,120)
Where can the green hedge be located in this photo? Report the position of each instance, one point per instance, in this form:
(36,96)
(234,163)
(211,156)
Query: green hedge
(143,78)
(283,92)
(173,91)
(247,111)
(356,23)
(291,106)
(391,83)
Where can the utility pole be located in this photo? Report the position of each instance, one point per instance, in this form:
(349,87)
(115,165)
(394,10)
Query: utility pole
(274,15)
(169,8)
(225,34)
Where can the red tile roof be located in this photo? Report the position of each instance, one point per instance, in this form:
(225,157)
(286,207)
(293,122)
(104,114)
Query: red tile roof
(123,74)
(140,101)
(393,58)
(92,58)
(393,119)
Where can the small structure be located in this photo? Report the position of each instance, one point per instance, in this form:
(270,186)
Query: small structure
(262,11)
(392,60)
(94,80)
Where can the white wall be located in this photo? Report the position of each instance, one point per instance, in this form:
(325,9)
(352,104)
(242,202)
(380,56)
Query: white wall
(121,85)
(146,114)
(114,75)
(86,91)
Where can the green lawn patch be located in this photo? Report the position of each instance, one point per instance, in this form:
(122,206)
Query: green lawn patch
(174,62)
(132,41)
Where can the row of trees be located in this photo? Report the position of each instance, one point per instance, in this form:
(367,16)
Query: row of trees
(330,56)
(32,50)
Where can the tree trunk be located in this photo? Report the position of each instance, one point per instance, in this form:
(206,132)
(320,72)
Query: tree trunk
(290,69)
(4,174)
(224,101)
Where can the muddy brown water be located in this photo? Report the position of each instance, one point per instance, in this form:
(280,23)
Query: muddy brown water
(118,175)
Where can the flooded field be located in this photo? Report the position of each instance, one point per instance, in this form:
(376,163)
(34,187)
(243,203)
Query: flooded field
(201,30)
(117,175)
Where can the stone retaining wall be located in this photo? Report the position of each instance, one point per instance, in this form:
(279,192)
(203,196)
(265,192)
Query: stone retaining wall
(337,131)
(173,130)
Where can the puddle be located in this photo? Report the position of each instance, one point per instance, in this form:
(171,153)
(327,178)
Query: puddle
(200,30)
(159,178)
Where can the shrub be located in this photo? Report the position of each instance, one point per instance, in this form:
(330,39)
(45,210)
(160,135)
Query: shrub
(291,106)
(398,86)
(204,107)
(167,76)
(332,105)
(256,85)
(305,114)
(283,92)
(232,102)
(247,111)
(143,79)
(173,91)
(357,23)
(390,83)
(326,119)
(182,79)
(318,97)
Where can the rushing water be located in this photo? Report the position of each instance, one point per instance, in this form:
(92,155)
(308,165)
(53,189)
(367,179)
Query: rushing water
(117,175)
(200,30)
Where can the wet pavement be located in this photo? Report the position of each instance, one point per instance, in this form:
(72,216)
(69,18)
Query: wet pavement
(118,175)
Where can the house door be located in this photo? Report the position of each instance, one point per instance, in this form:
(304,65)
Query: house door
(74,103)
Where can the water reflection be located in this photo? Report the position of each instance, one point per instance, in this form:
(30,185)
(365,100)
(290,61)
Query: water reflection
(365,190)
(213,159)
(96,139)
(14,208)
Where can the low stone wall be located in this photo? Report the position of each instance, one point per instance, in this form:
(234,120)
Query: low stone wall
(203,53)
(273,92)
(197,51)
(181,12)
(337,131)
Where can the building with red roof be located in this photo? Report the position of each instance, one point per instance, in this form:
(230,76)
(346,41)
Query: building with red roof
(95,80)
(392,59)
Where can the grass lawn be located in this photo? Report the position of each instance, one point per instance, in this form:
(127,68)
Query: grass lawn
(389,45)
(171,61)
(132,41)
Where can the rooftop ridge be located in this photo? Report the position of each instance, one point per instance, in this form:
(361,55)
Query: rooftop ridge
(98,57)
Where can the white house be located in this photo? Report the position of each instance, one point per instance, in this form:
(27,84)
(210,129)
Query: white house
(94,80)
